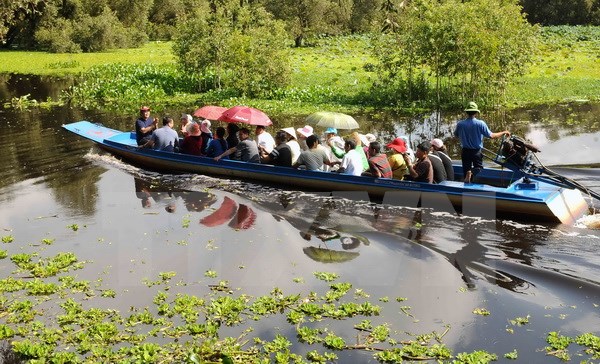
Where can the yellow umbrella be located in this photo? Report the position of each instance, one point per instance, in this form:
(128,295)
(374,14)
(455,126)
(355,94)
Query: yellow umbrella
(328,119)
(328,255)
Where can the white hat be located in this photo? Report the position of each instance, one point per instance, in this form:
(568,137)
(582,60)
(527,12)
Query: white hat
(307,130)
(438,143)
(364,140)
(205,126)
(290,131)
(186,116)
(370,137)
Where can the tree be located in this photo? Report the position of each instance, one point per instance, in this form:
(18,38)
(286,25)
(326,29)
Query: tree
(302,18)
(237,48)
(453,50)
(17,16)
(561,12)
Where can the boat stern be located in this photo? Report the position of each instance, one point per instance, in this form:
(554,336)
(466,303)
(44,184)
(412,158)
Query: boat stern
(568,205)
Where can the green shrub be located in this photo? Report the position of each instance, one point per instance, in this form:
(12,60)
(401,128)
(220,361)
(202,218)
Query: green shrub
(123,85)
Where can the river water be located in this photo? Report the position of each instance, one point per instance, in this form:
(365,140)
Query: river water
(134,224)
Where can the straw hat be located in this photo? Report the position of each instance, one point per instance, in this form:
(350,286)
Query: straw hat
(290,131)
(398,145)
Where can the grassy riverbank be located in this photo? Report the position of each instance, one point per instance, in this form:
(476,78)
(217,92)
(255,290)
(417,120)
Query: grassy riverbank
(334,72)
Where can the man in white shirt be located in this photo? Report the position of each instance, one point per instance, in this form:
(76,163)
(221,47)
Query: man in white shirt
(264,140)
(352,161)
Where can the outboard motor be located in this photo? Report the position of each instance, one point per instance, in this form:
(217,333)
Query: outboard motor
(518,155)
(515,153)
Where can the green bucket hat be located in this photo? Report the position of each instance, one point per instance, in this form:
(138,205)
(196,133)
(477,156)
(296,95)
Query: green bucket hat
(472,107)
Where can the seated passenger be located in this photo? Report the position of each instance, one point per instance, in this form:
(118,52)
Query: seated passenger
(397,160)
(421,170)
(186,124)
(292,142)
(192,143)
(378,163)
(333,141)
(246,150)
(439,172)
(439,149)
(205,134)
(314,158)
(303,133)
(218,145)
(264,139)
(281,155)
(409,151)
(165,138)
(352,161)
(144,126)
(232,137)
(359,149)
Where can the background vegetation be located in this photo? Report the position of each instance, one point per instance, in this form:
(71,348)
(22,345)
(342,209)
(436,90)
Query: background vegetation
(418,53)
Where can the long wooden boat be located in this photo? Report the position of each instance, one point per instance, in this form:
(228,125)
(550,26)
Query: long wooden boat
(507,193)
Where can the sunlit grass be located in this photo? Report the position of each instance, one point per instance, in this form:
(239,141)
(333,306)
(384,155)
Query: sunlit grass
(44,63)
(338,63)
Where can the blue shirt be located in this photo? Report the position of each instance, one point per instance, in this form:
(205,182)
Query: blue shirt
(216,147)
(471,131)
(165,139)
(139,125)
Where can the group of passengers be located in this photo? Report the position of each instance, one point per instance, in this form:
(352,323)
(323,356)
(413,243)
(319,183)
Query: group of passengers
(360,154)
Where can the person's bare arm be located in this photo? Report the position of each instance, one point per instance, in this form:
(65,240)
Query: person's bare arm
(500,133)
(411,169)
(225,153)
(150,127)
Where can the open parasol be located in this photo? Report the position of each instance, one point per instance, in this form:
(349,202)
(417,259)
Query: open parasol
(328,119)
(329,256)
(245,115)
(210,112)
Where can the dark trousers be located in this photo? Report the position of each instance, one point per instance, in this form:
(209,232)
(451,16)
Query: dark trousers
(472,160)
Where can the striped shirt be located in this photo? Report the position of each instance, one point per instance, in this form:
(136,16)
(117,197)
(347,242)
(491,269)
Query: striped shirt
(379,163)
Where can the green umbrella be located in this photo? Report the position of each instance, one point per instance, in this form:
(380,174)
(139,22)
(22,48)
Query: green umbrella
(328,119)
(328,255)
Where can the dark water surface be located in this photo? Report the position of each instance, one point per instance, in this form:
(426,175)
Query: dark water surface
(134,224)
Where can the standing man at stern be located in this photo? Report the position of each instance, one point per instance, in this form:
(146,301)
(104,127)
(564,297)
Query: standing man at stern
(471,132)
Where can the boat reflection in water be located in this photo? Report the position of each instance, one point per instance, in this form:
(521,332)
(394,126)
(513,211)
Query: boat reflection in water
(149,193)
(239,216)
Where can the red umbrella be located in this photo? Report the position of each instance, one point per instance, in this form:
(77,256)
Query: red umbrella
(223,214)
(209,112)
(246,115)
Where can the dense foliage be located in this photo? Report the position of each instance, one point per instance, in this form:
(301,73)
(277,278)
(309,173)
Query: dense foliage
(71,25)
(237,48)
(561,12)
(449,51)
(116,86)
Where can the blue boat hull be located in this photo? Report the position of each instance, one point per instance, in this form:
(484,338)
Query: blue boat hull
(535,201)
